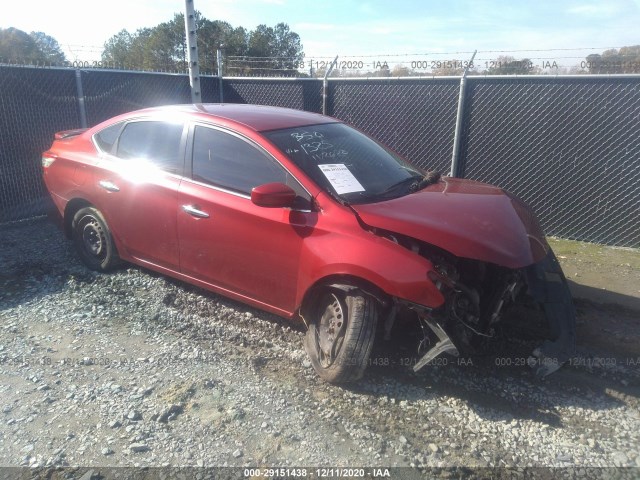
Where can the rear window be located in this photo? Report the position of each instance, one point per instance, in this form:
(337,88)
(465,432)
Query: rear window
(158,143)
(106,138)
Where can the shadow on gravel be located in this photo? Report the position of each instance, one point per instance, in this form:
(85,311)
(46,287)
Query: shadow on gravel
(37,260)
(498,385)
(604,298)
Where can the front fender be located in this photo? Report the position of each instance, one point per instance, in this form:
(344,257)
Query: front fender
(381,262)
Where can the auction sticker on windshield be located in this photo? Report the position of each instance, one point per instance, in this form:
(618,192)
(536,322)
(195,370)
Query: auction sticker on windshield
(341,179)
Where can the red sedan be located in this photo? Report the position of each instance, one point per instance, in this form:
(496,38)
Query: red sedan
(301,215)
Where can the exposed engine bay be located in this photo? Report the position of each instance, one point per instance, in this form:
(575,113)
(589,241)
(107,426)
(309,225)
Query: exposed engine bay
(476,296)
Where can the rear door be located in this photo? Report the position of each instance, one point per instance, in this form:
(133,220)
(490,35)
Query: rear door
(225,239)
(139,182)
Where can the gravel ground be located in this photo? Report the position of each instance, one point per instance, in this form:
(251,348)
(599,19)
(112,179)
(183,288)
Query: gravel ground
(135,369)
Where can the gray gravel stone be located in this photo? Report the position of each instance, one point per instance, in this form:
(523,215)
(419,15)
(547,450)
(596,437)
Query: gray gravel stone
(190,360)
(620,459)
(170,413)
(138,447)
(134,415)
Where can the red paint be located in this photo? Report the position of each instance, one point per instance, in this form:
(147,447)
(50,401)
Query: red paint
(469,219)
(271,257)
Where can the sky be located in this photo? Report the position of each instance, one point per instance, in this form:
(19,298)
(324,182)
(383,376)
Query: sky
(396,31)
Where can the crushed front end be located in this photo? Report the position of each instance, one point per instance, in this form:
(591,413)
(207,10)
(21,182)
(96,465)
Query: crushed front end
(477,295)
(488,252)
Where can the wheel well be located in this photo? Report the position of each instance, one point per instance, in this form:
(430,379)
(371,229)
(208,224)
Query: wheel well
(343,283)
(69,212)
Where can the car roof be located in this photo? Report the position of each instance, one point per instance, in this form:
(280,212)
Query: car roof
(257,117)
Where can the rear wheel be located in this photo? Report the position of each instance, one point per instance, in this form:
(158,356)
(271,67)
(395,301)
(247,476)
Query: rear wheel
(340,339)
(93,240)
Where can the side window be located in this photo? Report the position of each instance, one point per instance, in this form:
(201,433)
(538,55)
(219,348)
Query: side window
(227,161)
(106,137)
(156,142)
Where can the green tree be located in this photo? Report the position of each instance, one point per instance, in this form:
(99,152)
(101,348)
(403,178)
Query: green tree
(265,50)
(383,71)
(624,60)
(401,71)
(274,51)
(36,48)
(447,68)
(287,47)
(507,65)
(166,46)
(49,47)
(117,50)
(211,37)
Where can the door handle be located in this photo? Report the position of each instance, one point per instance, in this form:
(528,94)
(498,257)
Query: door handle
(192,210)
(109,186)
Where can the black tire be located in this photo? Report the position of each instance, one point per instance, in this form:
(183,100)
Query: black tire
(93,240)
(340,337)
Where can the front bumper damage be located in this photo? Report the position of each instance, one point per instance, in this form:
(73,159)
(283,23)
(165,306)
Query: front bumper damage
(547,286)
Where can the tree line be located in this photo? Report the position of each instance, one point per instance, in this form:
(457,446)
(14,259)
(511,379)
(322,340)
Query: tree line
(271,51)
(264,50)
(35,48)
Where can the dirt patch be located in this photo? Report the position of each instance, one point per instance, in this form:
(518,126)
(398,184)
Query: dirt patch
(605,283)
(599,273)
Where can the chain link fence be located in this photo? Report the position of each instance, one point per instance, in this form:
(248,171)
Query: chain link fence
(37,102)
(569,146)
(109,93)
(417,118)
(34,104)
(301,94)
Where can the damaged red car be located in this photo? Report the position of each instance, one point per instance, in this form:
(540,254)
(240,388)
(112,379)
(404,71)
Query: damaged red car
(303,216)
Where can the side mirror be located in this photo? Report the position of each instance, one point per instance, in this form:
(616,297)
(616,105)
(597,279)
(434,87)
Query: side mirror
(273,195)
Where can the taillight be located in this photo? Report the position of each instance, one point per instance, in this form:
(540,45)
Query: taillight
(47,161)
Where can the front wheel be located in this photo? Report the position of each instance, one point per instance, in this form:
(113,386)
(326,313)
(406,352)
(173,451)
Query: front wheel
(340,338)
(93,241)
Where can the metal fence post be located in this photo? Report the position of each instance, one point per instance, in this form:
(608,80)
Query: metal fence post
(220,83)
(325,85)
(457,142)
(82,110)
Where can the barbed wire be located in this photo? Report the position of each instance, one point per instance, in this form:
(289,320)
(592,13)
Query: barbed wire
(547,60)
(101,48)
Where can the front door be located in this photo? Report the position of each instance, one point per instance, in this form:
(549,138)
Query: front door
(225,239)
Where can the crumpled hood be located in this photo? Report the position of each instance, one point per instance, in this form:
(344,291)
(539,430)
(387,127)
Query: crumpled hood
(467,218)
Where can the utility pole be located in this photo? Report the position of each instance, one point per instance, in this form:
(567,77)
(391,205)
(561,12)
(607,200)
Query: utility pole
(192,51)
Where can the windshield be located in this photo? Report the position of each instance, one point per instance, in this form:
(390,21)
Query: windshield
(347,163)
